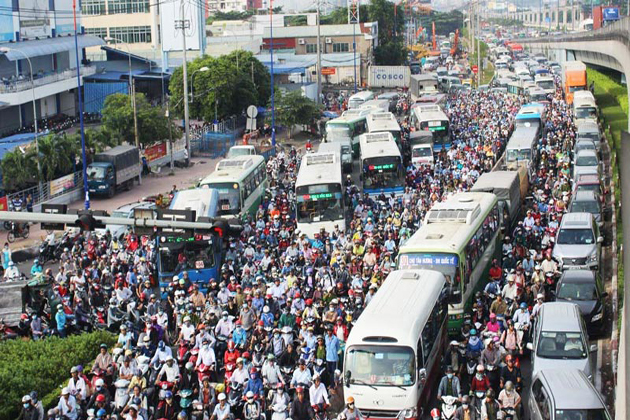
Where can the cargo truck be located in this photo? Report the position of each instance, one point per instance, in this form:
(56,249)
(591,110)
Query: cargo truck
(574,79)
(114,169)
(604,15)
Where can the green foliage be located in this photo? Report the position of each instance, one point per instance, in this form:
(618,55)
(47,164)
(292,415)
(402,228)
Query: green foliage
(508,22)
(232,83)
(19,170)
(118,120)
(446,22)
(299,20)
(391,52)
(230,16)
(43,366)
(293,108)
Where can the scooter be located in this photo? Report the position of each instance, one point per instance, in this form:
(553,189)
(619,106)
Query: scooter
(449,406)
(122,394)
(279,412)
(18,231)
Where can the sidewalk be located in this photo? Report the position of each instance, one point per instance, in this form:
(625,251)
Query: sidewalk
(151,185)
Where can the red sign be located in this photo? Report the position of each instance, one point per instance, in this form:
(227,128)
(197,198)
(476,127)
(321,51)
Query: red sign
(328,71)
(475,69)
(3,204)
(155,152)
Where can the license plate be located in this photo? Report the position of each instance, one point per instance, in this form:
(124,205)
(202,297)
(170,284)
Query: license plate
(225,207)
(199,264)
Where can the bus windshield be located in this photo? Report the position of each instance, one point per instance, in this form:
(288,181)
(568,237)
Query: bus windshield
(446,264)
(176,256)
(516,154)
(381,365)
(585,112)
(528,122)
(546,84)
(421,152)
(382,172)
(319,203)
(229,197)
(338,132)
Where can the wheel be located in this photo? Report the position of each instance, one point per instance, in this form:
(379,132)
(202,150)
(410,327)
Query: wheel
(110,193)
(11,237)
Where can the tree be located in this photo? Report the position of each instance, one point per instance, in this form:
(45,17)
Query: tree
(56,155)
(117,117)
(448,22)
(232,83)
(293,108)
(19,169)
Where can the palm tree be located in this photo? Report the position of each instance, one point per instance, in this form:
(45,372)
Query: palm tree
(55,157)
(18,169)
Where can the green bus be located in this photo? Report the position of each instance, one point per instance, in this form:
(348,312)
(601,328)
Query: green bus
(459,238)
(350,125)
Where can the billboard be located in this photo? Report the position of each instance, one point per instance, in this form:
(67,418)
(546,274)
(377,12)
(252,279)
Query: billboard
(610,13)
(170,24)
(6,21)
(35,19)
(64,22)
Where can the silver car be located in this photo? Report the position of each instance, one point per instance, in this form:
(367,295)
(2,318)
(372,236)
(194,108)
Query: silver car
(578,242)
(585,160)
(126,212)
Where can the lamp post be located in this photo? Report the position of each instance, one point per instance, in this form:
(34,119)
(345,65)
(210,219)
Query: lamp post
(30,66)
(192,82)
(132,96)
(273,106)
(83,154)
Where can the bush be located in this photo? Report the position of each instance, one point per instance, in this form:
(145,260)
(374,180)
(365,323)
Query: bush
(42,366)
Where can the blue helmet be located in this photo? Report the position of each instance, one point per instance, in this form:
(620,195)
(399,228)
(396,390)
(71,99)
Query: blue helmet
(473,332)
(523,305)
(101,412)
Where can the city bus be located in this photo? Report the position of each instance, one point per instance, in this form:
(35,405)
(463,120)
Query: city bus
(179,251)
(522,148)
(382,122)
(432,118)
(382,169)
(459,238)
(241,182)
(360,98)
(319,194)
(393,353)
(532,114)
(350,125)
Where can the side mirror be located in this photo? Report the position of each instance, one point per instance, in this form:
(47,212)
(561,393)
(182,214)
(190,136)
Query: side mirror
(600,239)
(422,374)
(593,348)
(529,346)
(346,377)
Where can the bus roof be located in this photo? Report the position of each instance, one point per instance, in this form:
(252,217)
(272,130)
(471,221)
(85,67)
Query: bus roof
(378,144)
(396,315)
(379,104)
(233,169)
(319,168)
(204,201)
(356,113)
(365,95)
(430,115)
(462,207)
(523,137)
(382,121)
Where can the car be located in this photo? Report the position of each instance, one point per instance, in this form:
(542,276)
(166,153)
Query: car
(586,290)
(583,144)
(587,202)
(584,160)
(126,212)
(578,242)
(589,182)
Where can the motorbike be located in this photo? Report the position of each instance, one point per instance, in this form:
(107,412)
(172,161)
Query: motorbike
(478,398)
(121,395)
(320,412)
(449,405)
(17,231)
(509,413)
(235,398)
(46,252)
(279,412)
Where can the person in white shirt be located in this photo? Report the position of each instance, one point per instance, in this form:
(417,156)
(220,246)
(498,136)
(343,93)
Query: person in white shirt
(318,393)
(206,354)
(170,369)
(240,375)
(187,332)
(510,289)
(225,326)
(67,405)
(271,372)
(77,385)
(162,353)
(301,376)
(122,293)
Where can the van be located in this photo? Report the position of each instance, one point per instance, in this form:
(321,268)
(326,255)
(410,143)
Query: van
(559,394)
(421,145)
(343,148)
(560,339)
(578,242)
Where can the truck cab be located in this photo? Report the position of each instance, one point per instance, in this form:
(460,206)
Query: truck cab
(241,150)
(101,178)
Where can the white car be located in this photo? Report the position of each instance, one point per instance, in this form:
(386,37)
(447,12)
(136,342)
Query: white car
(125,212)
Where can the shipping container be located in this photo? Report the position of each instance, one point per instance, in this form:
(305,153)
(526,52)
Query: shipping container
(603,15)
(388,76)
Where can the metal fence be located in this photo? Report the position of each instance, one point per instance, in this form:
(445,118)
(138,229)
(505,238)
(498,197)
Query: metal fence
(49,189)
(214,141)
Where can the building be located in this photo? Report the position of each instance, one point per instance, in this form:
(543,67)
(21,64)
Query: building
(225,6)
(297,45)
(131,25)
(38,35)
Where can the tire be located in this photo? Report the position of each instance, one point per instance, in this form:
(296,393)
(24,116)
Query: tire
(11,237)
(110,193)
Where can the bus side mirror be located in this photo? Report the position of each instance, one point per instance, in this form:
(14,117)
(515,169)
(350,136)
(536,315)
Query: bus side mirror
(422,374)
(346,378)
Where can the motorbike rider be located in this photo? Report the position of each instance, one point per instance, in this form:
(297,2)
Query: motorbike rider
(318,394)
(480,382)
(162,354)
(77,386)
(100,396)
(449,385)
(12,273)
(28,411)
(254,384)
(189,378)
(166,408)
(301,376)
(271,372)
(465,411)
(351,412)
(511,373)
(474,346)
(169,370)
(280,397)
(67,405)
(240,374)
(36,268)
(301,408)
(510,399)
(251,408)
(489,407)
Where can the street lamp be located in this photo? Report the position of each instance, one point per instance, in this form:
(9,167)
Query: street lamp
(192,82)
(30,66)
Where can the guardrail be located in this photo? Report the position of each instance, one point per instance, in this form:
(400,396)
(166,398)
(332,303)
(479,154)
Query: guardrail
(25,83)
(49,190)
(621,28)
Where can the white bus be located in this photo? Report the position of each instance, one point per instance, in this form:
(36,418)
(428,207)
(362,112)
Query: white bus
(379,105)
(241,181)
(360,98)
(382,169)
(459,238)
(319,194)
(432,118)
(392,356)
(381,122)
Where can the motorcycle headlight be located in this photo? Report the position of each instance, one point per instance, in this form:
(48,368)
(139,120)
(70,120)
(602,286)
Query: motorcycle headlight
(597,317)
(409,413)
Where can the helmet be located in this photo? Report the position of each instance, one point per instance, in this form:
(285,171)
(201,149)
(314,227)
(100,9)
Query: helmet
(168,394)
(350,400)
(100,398)
(523,305)
(435,413)
(231,345)
(490,393)
(473,332)
(480,368)
(249,395)
(99,382)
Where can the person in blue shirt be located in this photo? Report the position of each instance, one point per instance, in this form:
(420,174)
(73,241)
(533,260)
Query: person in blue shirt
(332,350)
(60,319)
(36,268)
(239,335)
(267,317)
(254,384)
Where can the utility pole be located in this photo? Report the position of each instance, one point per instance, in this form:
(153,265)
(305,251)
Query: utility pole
(478,50)
(170,136)
(319,56)
(182,24)
(135,122)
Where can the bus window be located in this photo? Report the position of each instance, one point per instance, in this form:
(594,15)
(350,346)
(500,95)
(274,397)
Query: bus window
(381,365)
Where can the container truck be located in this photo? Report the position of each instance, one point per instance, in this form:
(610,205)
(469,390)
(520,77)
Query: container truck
(574,79)
(604,15)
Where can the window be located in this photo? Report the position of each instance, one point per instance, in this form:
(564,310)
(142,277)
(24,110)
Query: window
(479,242)
(131,34)
(340,47)
(99,32)
(311,48)
(93,7)
(127,6)
(431,331)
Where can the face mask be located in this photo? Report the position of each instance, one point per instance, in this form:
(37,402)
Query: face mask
(280,391)
(252,376)
(25,405)
(449,375)
(464,406)
(351,406)
(225,317)
(98,388)
(276,335)
(479,376)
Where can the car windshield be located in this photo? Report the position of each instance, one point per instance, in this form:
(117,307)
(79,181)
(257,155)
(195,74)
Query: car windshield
(421,152)
(575,237)
(590,136)
(121,214)
(577,291)
(585,112)
(238,151)
(561,345)
(96,172)
(585,207)
(591,414)
(588,160)
(584,145)
(381,365)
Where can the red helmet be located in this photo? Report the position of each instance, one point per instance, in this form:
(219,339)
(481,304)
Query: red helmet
(297,295)
(231,345)
(309,302)
(100,398)
(261,323)
(245,355)
(23,316)
(253,370)
(435,413)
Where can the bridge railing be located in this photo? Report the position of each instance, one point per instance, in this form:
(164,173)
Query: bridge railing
(622,26)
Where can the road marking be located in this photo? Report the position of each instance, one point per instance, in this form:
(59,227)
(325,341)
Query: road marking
(598,370)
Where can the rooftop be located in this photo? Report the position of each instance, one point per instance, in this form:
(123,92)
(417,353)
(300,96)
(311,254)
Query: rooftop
(325,30)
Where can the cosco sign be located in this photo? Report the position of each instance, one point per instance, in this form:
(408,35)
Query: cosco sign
(389,76)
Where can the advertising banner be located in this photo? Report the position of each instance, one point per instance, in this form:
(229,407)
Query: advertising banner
(155,152)
(6,21)
(60,185)
(35,19)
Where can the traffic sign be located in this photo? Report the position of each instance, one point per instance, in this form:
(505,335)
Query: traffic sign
(252,111)
(328,71)
(475,69)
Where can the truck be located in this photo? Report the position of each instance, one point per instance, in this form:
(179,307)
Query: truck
(574,79)
(604,15)
(420,84)
(114,169)
(388,77)
(421,148)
